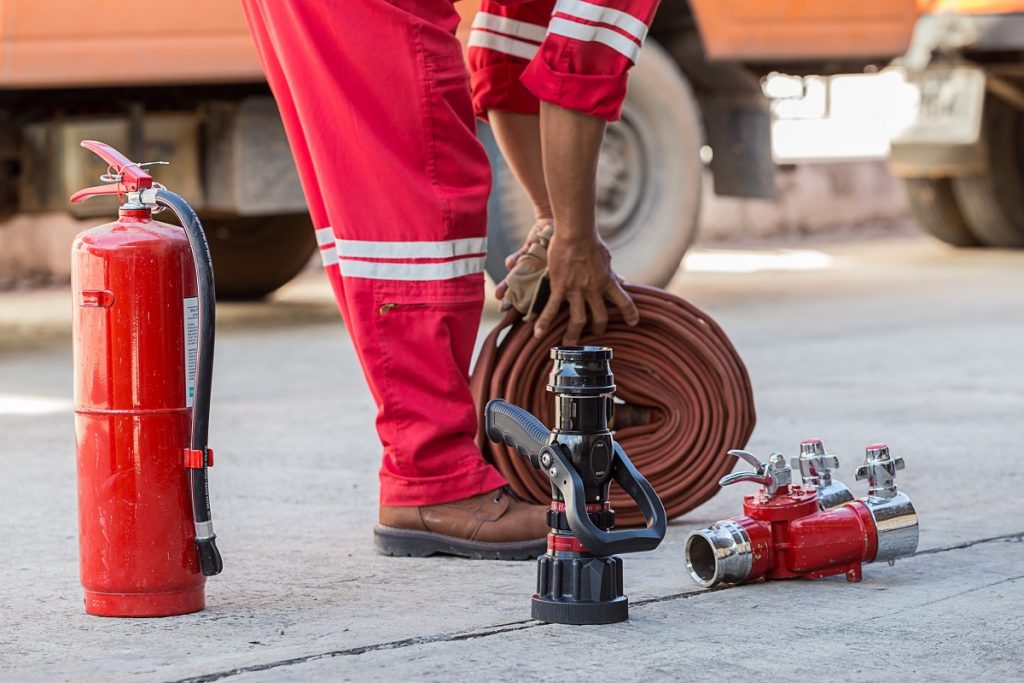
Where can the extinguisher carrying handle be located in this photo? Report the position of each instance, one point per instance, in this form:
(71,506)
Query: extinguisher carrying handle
(210,562)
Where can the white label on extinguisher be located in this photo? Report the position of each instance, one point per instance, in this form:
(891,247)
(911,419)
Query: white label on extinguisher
(191,348)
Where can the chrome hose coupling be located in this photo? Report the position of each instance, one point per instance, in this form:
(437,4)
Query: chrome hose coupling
(824,536)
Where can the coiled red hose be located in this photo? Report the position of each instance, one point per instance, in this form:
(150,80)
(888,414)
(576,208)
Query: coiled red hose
(683,398)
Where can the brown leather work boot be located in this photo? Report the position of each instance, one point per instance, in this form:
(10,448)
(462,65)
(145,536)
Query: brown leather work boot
(492,526)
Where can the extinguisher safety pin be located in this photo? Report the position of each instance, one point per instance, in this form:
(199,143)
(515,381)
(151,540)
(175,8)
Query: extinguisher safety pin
(112,176)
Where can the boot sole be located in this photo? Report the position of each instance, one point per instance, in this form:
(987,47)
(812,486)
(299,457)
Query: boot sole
(413,543)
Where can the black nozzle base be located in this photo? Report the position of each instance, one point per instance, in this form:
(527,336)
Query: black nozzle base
(579,590)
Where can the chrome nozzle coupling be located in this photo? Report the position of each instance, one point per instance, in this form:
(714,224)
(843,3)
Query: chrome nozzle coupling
(720,553)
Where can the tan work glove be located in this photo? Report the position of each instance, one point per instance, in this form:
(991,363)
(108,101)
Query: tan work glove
(526,283)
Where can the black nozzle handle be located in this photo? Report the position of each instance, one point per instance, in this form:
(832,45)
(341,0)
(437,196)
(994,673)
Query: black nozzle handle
(567,480)
(210,562)
(509,424)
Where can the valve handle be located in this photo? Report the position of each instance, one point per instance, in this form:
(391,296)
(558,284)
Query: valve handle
(127,176)
(506,423)
(737,477)
(758,476)
(749,457)
(815,464)
(773,475)
(880,469)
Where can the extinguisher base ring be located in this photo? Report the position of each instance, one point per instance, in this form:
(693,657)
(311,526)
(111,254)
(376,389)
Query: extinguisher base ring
(166,604)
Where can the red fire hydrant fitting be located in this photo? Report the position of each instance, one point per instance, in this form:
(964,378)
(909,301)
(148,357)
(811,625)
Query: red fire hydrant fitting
(788,532)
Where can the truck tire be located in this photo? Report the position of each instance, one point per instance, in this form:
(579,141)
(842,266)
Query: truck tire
(649,179)
(254,255)
(934,206)
(992,202)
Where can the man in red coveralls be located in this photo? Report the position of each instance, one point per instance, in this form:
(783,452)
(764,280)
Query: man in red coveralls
(374,98)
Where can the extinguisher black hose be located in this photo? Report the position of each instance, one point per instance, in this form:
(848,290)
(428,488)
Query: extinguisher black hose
(210,561)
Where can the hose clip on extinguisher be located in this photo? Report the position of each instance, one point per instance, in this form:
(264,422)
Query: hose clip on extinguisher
(787,531)
(579,581)
(135,187)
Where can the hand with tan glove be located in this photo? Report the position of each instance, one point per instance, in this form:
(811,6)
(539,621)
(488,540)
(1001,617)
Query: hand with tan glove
(524,288)
(555,159)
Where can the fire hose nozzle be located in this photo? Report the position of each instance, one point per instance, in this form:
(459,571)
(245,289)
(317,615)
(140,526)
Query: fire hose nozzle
(816,465)
(579,580)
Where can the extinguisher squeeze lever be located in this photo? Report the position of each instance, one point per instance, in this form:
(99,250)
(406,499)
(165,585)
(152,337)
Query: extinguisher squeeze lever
(125,176)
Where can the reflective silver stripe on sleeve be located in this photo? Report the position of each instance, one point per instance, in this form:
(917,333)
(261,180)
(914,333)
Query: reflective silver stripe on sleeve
(503,44)
(595,34)
(605,15)
(510,27)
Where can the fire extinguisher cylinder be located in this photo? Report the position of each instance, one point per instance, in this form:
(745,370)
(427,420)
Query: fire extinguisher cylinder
(143,343)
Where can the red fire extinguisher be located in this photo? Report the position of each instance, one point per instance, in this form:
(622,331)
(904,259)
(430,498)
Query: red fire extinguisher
(143,357)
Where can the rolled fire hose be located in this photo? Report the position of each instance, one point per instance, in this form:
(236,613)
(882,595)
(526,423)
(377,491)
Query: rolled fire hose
(683,398)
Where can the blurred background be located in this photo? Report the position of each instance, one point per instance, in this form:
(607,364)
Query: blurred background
(747,120)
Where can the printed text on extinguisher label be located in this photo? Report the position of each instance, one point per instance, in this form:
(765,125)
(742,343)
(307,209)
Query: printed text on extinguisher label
(191,347)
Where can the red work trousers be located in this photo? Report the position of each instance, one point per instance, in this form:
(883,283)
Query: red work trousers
(573,53)
(375,101)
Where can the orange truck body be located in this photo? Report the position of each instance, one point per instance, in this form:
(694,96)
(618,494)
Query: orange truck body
(75,43)
(971,6)
(800,30)
(797,30)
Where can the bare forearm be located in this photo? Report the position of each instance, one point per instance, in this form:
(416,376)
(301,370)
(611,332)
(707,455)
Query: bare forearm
(518,136)
(579,263)
(571,144)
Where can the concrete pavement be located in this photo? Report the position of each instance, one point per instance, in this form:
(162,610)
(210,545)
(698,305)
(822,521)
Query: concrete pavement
(899,340)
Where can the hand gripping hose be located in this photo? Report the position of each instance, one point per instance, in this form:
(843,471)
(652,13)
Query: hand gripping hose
(686,398)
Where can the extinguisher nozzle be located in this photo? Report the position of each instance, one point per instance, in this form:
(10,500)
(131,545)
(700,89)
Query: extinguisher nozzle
(210,562)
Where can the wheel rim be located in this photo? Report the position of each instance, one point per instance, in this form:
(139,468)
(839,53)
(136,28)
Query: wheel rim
(622,176)
(623,182)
